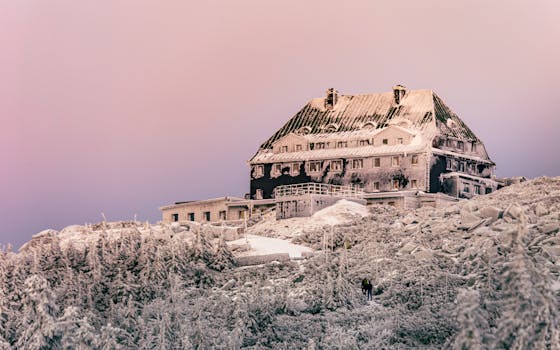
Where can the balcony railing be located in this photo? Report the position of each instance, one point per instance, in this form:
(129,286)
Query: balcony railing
(319,189)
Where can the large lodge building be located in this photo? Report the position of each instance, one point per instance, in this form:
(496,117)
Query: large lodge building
(404,148)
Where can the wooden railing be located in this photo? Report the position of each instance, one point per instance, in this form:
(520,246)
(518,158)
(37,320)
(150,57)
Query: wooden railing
(318,188)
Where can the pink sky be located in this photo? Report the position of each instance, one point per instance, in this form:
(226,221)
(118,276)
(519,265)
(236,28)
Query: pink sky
(122,106)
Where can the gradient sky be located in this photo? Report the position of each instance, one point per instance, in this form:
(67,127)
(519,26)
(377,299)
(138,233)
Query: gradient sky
(121,106)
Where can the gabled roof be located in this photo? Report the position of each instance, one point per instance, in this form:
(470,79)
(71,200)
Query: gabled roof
(423,109)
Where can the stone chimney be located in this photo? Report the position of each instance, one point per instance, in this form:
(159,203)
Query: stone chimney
(399,91)
(331,99)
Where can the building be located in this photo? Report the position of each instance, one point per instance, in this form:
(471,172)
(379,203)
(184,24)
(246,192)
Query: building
(403,147)
(205,211)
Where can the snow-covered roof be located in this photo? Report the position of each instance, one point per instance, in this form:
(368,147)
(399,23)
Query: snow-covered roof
(461,155)
(419,109)
(187,203)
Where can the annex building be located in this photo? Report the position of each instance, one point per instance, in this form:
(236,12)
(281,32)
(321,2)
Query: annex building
(402,147)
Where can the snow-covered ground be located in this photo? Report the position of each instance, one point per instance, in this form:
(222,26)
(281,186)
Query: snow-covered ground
(341,212)
(260,245)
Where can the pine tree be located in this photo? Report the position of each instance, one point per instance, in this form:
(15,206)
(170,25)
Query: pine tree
(36,329)
(75,332)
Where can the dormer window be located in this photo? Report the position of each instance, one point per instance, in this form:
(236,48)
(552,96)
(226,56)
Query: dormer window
(369,125)
(332,127)
(304,130)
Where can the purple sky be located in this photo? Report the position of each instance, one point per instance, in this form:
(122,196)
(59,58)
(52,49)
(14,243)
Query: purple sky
(122,106)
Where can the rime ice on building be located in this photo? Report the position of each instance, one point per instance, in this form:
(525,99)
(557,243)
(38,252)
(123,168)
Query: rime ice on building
(404,148)
(393,145)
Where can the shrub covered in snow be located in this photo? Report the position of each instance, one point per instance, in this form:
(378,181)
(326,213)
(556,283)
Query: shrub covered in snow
(480,274)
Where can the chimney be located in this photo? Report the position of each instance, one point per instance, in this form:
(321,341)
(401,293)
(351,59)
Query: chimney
(331,99)
(399,91)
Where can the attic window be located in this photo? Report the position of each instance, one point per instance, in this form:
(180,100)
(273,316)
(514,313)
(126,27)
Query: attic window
(304,130)
(473,146)
(342,144)
(284,149)
(400,141)
(369,125)
(332,127)
(385,141)
(319,145)
(299,147)
(364,142)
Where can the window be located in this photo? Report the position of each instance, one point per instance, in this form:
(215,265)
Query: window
(191,216)
(175,217)
(284,149)
(241,214)
(413,183)
(376,186)
(396,184)
(357,163)
(377,162)
(299,147)
(364,142)
(449,143)
(385,141)
(342,144)
(460,145)
(395,161)
(476,189)
(449,165)
(391,204)
(258,171)
(206,215)
(466,188)
(314,167)
(414,160)
(336,165)
(320,145)
(400,141)
(473,146)
(295,169)
(461,166)
(277,169)
(222,215)
(259,194)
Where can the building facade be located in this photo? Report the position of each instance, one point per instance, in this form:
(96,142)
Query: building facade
(389,144)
